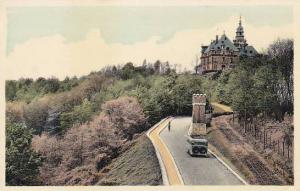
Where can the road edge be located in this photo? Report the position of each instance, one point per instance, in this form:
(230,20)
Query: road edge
(160,161)
(172,158)
(228,167)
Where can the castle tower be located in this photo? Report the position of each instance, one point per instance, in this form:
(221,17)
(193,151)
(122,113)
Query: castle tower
(198,125)
(199,102)
(240,41)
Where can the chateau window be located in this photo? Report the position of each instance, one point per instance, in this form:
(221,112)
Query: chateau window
(227,48)
(250,51)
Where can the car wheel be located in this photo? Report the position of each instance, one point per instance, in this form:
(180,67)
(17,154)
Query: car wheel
(203,151)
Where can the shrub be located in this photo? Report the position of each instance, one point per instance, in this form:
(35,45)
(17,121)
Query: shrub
(126,114)
(36,114)
(22,163)
(14,112)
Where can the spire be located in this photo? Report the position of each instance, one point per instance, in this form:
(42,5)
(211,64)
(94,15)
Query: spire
(240,30)
(239,37)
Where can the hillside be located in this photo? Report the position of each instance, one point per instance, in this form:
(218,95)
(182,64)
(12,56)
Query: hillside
(136,166)
(67,132)
(79,128)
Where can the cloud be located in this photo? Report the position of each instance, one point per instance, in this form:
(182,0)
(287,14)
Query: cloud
(52,56)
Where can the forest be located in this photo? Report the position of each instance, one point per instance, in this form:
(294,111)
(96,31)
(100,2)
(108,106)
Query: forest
(65,129)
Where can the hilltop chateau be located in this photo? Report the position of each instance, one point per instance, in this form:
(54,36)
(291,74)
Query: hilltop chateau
(223,54)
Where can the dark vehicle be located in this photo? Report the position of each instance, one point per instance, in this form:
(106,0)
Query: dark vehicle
(197,146)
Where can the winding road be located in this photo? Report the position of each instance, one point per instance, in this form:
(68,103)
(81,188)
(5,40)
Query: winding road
(194,170)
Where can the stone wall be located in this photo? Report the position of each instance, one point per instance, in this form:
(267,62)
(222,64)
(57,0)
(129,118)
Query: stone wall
(218,61)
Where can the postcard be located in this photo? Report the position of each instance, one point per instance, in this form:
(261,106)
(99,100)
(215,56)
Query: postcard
(160,94)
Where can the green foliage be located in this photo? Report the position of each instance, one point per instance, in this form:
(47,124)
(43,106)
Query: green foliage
(35,115)
(185,86)
(127,71)
(22,163)
(67,84)
(78,115)
(10,90)
(222,89)
(261,84)
(168,95)
(26,89)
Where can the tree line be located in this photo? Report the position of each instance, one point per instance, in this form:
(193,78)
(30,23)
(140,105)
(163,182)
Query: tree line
(261,85)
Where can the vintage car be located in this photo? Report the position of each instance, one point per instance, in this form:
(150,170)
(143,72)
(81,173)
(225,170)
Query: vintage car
(197,146)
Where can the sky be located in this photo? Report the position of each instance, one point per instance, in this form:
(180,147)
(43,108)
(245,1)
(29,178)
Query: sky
(68,41)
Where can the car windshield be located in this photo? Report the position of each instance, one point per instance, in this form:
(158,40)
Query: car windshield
(195,137)
(200,142)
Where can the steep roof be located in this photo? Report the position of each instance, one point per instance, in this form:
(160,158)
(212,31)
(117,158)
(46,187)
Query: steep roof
(226,42)
(248,51)
(209,47)
(223,43)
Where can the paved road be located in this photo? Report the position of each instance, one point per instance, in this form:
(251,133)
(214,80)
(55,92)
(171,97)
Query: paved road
(195,170)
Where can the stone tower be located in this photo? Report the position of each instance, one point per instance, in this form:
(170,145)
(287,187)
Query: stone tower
(199,102)
(198,125)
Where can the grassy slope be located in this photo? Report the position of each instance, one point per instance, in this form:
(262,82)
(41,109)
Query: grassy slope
(235,151)
(136,166)
(220,107)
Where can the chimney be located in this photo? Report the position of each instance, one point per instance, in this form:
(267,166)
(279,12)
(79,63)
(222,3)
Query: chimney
(217,39)
(203,48)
